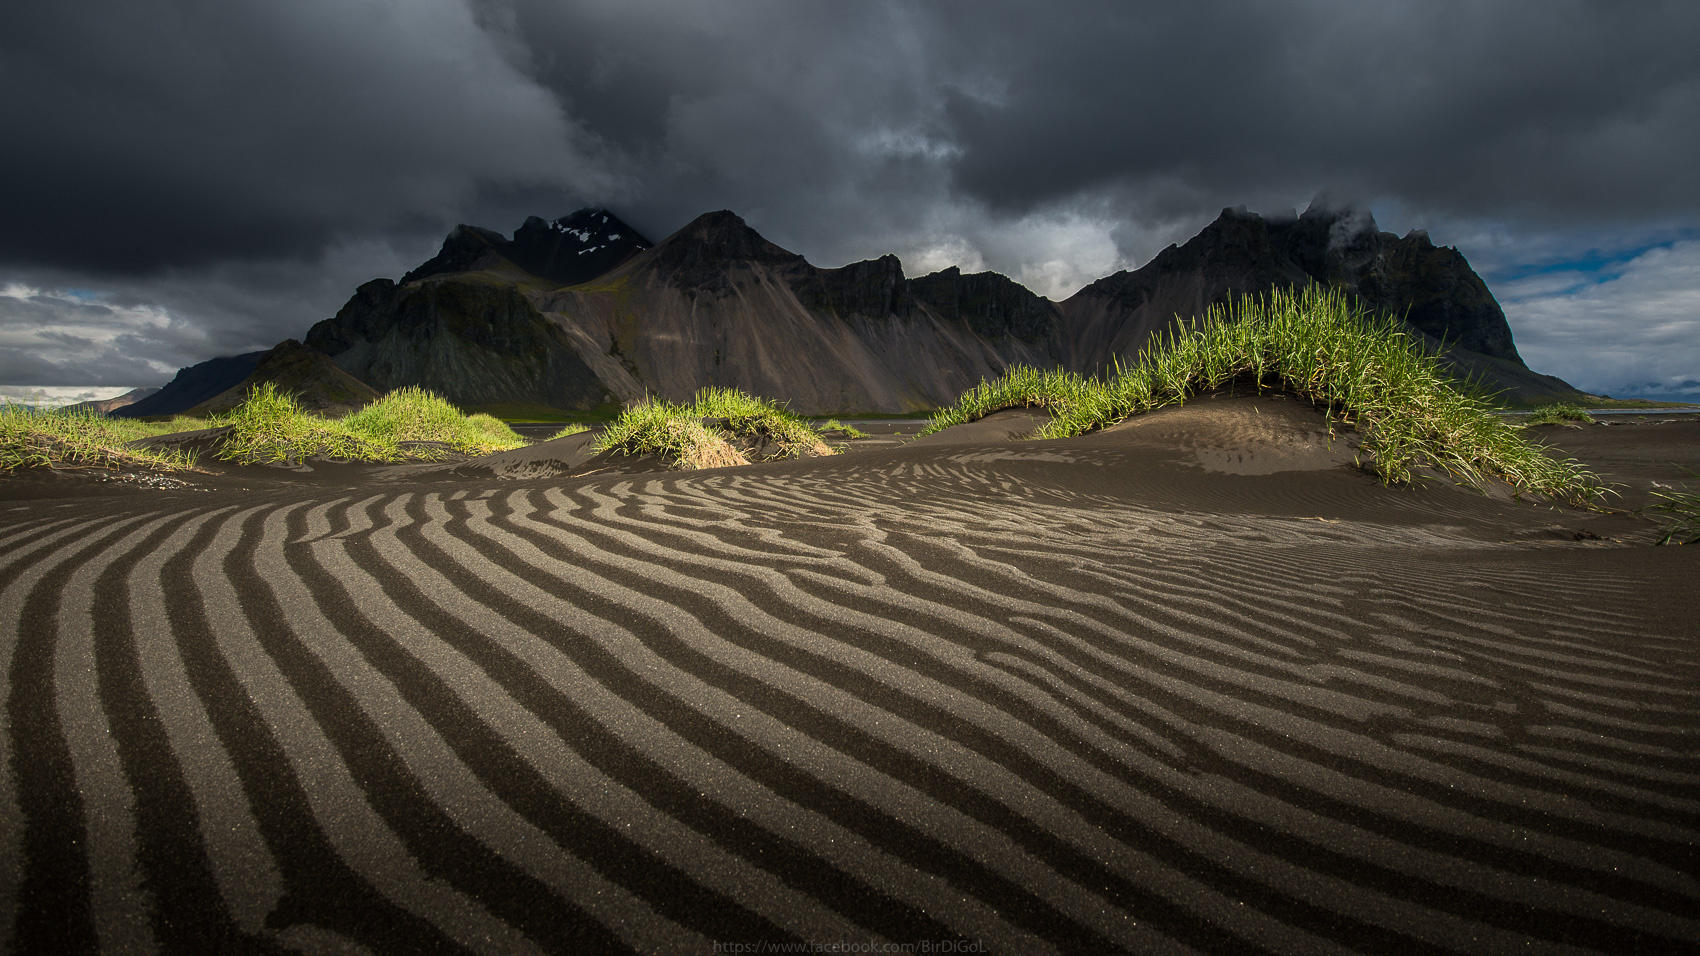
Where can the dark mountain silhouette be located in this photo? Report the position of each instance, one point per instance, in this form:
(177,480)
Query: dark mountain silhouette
(194,385)
(472,339)
(583,311)
(992,304)
(567,251)
(309,375)
(717,304)
(1432,288)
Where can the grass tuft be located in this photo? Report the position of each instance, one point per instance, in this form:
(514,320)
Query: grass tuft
(412,414)
(1561,413)
(569,431)
(834,425)
(407,424)
(269,427)
(717,428)
(1681,510)
(1365,371)
(86,439)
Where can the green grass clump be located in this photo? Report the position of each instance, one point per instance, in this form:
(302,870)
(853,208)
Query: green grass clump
(412,414)
(569,431)
(1365,371)
(59,439)
(1021,387)
(713,430)
(834,425)
(269,426)
(1560,413)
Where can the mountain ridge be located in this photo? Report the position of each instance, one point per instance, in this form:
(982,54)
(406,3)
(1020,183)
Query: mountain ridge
(583,310)
(571,249)
(106,406)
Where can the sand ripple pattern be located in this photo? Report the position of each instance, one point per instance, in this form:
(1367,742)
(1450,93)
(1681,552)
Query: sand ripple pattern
(910,704)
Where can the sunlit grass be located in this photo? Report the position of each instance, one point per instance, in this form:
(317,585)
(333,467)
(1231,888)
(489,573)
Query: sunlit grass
(406,424)
(569,431)
(60,439)
(1364,371)
(834,425)
(713,430)
(412,414)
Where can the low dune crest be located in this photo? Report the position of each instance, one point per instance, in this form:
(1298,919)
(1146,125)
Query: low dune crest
(1361,370)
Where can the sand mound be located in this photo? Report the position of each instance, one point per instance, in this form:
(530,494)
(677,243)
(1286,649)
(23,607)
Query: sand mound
(1010,424)
(1245,435)
(545,459)
(1240,435)
(203,443)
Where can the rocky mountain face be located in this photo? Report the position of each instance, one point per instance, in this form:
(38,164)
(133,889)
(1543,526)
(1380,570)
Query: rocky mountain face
(718,304)
(583,310)
(993,305)
(471,339)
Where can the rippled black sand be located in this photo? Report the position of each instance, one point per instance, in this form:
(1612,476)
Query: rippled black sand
(1194,683)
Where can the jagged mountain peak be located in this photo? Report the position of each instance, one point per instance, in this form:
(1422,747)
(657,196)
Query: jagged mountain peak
(986,276)
(726,231)
(719,220)
(574,248)
(991,303)
(591,227)
(698,255)
(887,265)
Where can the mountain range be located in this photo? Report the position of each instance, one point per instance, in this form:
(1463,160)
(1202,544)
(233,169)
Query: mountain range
(107,406)
(584,311)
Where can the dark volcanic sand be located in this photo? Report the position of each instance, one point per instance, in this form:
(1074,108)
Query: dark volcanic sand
(1193,681)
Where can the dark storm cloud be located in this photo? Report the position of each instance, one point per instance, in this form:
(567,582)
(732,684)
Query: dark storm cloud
(810,119)
(240,166)
(171,134)
(147,135)
(1548,111)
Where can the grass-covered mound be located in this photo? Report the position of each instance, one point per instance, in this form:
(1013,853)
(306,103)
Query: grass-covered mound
(1364,371)
(717,428)
(406,424)
(58,439)
(413,414)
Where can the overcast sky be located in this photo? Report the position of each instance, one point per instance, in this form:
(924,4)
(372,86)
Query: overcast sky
(189,178)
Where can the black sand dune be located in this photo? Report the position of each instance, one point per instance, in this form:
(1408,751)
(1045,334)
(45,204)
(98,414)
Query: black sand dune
(1011,424)
(550,458)
(1189,683)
